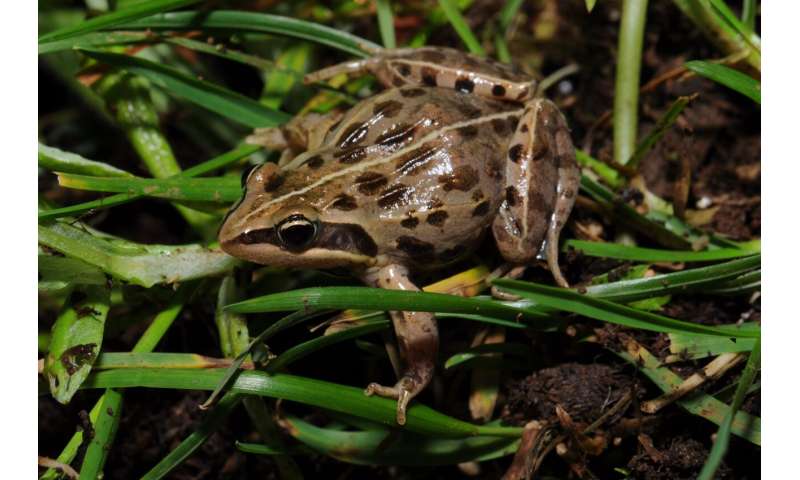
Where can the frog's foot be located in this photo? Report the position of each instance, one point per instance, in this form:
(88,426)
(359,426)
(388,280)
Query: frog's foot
(406,389)
(513,272)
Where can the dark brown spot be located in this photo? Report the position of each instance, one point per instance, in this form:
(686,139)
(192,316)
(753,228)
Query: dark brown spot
(498,90)
(469,111)
(411,92)
(398,81)
(523,93)
(481,209)
(353,135)
(540,146)
(428,76)
(452,254)
(512,196)
(513,120)
(351,155)
(412,162)
(500,127)
(315,162)
(370,183)
(395,137)
(515,153)
(394,196)
(569,193)
(468,131)
(477,195)
(410,222)
(437,218)
(433,56)
(346,237)
(404,69)
(493,168)
(524,128)
(463,178)
(273,182)
(465,85)
(388,109)
(345,202)
(420,250)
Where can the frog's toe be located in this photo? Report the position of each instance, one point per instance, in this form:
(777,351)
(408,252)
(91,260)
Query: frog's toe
(402,392)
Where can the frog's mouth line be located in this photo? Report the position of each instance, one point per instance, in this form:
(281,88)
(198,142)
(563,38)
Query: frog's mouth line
(344,237)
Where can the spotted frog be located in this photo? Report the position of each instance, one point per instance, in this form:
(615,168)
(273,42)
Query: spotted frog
(410,180)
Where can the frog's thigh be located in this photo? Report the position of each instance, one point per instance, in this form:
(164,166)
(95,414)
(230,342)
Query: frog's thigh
(542,180)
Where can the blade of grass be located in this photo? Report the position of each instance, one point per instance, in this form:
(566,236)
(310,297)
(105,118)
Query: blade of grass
(207,189)
(510,8)
(54,159)
(241,22)
(384,447)
(75,343)
(205,94)
(94,40)
(626,89)
(684,346)
(727,16)
(56,273)
(386,23)
(724,433)
(144,265)
(201,169)
(749,8)
(662,126)
(293,63)
(470,354)
(340,398)
(108,20)
(105,429)
(590,5)
(603,310)
(640,254)
(733,79)
(460,26)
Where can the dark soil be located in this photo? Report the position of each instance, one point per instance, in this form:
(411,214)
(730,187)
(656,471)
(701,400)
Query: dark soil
(717,138)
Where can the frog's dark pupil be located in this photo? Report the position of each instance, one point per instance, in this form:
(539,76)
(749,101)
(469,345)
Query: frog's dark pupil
(246,173)
(296,232)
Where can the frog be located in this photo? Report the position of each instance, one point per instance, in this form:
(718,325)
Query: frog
(411,180)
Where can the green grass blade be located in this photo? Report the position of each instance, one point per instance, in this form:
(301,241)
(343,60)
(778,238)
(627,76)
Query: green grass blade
(205,94)
(339,398)
(105,429)
(208,425)
(144,265)
(662,126)
(728,17)
(473,353)
(626,88)
(76,340)
(147,359)
(460,26)
(95,40)
(139,10)
(684,346)
(640,254)
(57,160)
(208,166)
(603,310)
(383,447)
(696,279)
(749,10)
(733,79)
(293,62)
(386,23)
(339,298)
(590,5)
(56,273)
(724,433)
(220,189)
(241,22)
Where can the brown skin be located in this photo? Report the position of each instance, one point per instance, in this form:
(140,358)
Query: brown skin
(410,179)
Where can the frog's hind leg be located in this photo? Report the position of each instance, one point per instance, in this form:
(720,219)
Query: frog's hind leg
(542,179)
(418,339)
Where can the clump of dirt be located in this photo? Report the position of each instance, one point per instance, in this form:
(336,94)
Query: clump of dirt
(586,392)
(682,459)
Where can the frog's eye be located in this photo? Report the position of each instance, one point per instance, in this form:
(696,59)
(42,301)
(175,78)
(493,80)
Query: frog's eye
(296,232)
(246,174)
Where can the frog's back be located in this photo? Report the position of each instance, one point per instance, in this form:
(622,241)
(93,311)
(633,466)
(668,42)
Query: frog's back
(420,169)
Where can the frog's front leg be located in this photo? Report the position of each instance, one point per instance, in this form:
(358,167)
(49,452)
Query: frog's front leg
(542,179)
(417,337)
(438,67)
(300,134)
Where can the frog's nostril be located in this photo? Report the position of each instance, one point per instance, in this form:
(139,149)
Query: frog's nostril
(296,232)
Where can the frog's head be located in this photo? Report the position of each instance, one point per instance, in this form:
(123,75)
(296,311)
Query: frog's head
(275,225)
